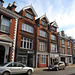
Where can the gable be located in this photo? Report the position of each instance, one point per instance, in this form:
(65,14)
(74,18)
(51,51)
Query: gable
(5,38)
(54,24)
(30,7)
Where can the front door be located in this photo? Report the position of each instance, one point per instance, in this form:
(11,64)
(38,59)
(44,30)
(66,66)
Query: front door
(30,60)
(2,53)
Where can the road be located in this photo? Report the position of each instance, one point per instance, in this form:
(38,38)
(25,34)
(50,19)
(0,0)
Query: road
(67,71)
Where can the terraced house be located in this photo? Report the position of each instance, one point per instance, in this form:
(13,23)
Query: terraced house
(8,30)
(34,42)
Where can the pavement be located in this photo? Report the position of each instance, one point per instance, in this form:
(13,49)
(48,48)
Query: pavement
(36,69)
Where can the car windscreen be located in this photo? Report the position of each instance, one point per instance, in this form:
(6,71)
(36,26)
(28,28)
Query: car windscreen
(55,63)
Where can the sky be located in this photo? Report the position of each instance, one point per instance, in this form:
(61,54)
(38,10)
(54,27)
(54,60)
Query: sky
(62,11)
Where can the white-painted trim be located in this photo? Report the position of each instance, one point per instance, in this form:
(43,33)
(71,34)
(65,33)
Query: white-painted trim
(10,44)
(14,40)
(6,11)
(44,53)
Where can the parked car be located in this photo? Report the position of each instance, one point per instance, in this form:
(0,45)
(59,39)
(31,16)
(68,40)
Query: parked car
(57,66)
(15,68)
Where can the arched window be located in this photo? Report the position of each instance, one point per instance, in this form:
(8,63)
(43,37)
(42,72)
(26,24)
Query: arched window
(42,33)
(53,37)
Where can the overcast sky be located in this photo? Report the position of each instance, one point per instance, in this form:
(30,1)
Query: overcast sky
(63,11)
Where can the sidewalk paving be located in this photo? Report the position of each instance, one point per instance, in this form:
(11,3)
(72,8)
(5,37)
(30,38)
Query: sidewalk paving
(36,69)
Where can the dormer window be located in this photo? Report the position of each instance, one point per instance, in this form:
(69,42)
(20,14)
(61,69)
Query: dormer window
(43,22)
(28,15)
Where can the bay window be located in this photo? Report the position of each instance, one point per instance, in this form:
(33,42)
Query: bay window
(5,25)
(42,33)
(53,37)
(27,28)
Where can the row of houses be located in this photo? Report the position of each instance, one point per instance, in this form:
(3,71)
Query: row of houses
(34,42)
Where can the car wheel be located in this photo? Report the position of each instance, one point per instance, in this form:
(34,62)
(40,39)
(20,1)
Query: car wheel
(6,73)
(29,72)
(57,68)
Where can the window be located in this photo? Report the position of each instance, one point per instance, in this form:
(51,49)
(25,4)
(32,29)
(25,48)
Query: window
(20,65)
(42,46)
(42,33)
(53,28)
(43,22)
(68,43)
(68,51)
(53,48)
(27,28)
(26,43)
(53,37)
(43,59)
(63,41)
(63,50)
(29,15)
(5,25)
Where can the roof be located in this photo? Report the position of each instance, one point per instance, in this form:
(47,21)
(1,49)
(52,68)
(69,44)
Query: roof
(54,24)
(5,38)
(8,12)
(30,6)
(45,17)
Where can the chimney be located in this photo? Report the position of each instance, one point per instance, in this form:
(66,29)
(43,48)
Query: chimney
(9,6)
(13,6)
(1,2)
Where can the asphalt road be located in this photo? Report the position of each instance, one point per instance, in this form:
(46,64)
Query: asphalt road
(67,71)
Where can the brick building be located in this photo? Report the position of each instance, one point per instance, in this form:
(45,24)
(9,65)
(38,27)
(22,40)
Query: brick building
(42,41)
(8,26)
(65,48)
(26,37)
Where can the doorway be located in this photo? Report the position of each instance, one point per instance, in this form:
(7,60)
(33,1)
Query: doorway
(2,53)
(30,60)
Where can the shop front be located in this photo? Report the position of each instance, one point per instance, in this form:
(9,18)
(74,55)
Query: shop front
(54,58)
(26,57)
(67,59)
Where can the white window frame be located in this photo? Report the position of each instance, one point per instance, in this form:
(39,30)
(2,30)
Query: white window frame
(42,33)
(23,41)
(53,37)
(27,28)
(28,15)
(63,42)
(53,47)
(43,59)
(42,46)
(43,22)
(63,50)
(3,29)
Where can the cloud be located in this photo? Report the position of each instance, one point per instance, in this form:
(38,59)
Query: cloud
(63,11)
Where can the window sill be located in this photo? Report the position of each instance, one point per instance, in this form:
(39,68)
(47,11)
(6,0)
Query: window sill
(4,32)
(27,32)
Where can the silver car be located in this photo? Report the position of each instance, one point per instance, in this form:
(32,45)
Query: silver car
(57,66)
(15,68)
